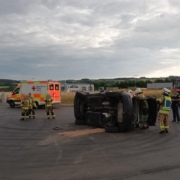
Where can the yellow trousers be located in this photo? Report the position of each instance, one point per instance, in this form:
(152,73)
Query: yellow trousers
(163,121)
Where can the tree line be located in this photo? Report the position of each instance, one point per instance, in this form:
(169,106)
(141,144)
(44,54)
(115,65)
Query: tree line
(9,85)
(128,84)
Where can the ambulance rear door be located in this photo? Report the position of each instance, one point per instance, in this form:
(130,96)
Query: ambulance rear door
(54,90)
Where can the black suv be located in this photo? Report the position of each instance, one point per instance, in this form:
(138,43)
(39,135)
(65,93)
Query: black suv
(115,111)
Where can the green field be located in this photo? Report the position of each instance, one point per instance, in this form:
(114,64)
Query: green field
(4,87)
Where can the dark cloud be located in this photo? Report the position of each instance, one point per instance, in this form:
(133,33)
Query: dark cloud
(72,39)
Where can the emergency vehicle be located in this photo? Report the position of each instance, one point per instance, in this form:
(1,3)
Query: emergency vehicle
(38,90)
(176,85)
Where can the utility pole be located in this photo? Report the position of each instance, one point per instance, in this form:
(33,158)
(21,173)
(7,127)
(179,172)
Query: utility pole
(135,79)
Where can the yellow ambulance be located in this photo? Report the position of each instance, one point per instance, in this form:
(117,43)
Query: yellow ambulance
(38,90)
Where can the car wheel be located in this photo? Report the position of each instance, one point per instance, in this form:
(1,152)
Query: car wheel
(127,115)
(12,104)
(79,111)
(37,105)
(153,106)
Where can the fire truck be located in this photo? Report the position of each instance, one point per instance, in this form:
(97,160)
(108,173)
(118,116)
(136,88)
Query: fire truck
(38,90)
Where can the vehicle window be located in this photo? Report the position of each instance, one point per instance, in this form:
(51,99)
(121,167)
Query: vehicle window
(51,87)
(16,91)
(56,86)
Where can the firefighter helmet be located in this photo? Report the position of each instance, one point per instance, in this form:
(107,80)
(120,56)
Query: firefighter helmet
(138,91)
(129,91)
(166,91)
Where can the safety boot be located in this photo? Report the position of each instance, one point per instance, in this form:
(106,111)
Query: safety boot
(161,132)
(48,115)
(22,116)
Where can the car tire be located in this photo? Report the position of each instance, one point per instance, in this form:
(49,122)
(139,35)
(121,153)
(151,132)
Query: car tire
(81,95)
(12,104)
(79,111)
(37,105)
(153,111)
(128,115)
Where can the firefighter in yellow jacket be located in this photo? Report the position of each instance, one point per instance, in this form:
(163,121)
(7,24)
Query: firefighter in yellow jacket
(25,104)
(163,114)
(49,107)
(32,106)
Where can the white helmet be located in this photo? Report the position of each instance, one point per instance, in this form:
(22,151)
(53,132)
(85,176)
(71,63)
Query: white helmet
(166,91)
(129,91)
(138,91)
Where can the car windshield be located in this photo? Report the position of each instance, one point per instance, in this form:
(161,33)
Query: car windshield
(16,91)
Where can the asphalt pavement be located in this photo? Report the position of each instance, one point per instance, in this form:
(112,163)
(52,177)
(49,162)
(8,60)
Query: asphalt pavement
(33,150)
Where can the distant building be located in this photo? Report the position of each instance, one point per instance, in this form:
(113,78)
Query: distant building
(159,85)
(67,87)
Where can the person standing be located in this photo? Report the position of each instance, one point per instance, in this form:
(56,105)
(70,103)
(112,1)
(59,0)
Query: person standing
(163,113)
(32,106)
(49,107)
(131,92)
(175,104)
(143,109)
(25,107)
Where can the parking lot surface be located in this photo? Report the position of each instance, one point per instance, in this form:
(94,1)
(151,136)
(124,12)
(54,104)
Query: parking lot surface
(33,150)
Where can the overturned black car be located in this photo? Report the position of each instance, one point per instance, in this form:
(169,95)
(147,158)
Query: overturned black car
(115,111)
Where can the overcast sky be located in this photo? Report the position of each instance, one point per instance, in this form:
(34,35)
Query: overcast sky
(75,39)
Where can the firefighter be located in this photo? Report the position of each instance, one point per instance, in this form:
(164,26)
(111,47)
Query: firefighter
(131,92)
(32,106)
(49,107)
(25,107)
(163,114)
(175,103)
(143,109)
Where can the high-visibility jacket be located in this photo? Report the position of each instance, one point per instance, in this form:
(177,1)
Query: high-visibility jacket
(25,104)
(32,102)
(48,102)
(165,105)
